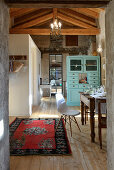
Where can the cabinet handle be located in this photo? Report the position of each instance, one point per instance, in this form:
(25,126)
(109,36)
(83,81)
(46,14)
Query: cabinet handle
(73,86)
(94,78)
(73,78)
(73,81)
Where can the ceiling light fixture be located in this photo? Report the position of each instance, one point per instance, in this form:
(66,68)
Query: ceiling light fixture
(99,49)
(55,28)
(56,38)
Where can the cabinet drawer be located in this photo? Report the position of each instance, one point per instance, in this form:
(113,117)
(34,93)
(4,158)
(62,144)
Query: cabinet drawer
(94,86)
(84,86)
(73,82)
(73,78)
(73,86)
(73,74)
(94,82)
(93,74)
(94,78)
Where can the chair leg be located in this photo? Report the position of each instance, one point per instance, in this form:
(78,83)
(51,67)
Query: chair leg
(85,115)
(76,123)
(70,125)
(100,137)
(59,123)
(65,119)
(85,118)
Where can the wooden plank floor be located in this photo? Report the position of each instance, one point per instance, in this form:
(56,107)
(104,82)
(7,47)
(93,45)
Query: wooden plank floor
(85,155)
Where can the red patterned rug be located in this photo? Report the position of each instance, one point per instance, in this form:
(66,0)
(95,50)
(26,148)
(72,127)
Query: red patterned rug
(38,136)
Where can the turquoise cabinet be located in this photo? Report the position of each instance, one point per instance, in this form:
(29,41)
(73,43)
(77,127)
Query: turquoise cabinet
(83,72)
(75,64)
(91,64)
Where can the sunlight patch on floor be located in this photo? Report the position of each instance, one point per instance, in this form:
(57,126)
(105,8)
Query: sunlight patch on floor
(48,116)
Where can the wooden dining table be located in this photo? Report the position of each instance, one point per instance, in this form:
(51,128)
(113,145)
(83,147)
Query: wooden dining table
(87,100)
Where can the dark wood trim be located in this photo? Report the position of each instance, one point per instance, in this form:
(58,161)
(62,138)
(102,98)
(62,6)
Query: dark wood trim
(57,3)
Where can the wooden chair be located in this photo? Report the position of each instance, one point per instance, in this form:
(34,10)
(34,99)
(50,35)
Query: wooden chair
(66,113)
(102,120)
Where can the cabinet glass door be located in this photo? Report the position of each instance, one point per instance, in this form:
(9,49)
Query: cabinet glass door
(75,65)
(90,65)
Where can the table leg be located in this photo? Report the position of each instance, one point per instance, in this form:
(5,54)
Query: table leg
(92,121)
(82,113)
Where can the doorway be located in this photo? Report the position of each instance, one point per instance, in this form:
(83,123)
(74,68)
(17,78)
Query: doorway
(56,73)
(110,97)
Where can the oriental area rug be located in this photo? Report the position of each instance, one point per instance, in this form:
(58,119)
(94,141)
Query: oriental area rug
(38,137)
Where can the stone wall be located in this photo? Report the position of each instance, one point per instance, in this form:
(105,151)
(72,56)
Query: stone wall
(45,68)
(110,82)
(85,46)
(4,86)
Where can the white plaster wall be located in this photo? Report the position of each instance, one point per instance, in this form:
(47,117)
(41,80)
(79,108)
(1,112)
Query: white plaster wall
(34,74)
(101,40)
(37,75)
(19,82)
(18,44)
(24,86)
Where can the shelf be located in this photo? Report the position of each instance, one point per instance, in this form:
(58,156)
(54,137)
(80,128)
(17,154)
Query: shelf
(17,57)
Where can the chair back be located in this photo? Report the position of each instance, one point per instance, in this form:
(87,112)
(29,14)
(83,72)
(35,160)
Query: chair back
(61,104)
(102,121)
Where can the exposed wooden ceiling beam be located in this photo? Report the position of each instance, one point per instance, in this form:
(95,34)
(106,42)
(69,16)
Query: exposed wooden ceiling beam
(87,12)
(63,31)
(79,16)
(21,12)
(73,21)
(32,16)
(57,3)
(36,21)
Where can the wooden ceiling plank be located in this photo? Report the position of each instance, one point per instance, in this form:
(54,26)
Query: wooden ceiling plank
(36,21)
(13,9)
(98,10)
(79,16)
(63,31)
(87,12)
(21,12)
(54,14)
(31,16)
(74,21)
